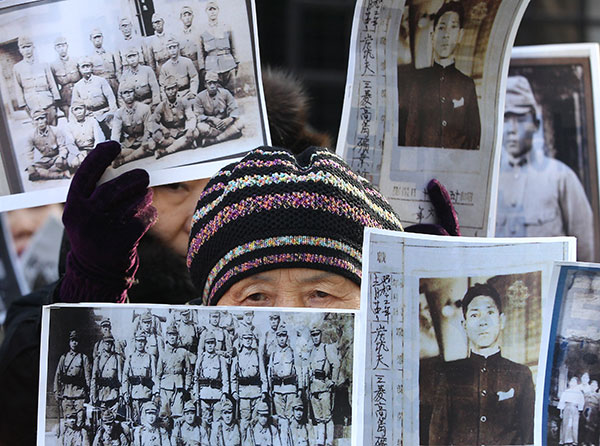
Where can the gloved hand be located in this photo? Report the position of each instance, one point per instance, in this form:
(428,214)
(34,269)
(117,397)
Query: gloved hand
(105,224)
(444,211)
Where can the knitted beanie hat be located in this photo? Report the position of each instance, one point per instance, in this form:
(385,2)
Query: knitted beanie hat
(274,209)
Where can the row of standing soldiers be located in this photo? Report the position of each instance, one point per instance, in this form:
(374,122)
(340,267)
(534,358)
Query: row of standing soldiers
(196,375)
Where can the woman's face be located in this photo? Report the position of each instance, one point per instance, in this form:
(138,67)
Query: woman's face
(175,204)
(294,287)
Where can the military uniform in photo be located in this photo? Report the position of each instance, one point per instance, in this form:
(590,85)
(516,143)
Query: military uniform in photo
(143,79)
(72,381)
(226,434)
(66,73)
(106,376)
(284,374)
(224,344)
(125,42)
(35,86)
(86,133)
(189,40)
(150,434)
(110,432)
(154,341)
(95,93)
(182,69)
(139,375)
(73,433)
(297,431)
(157,46)
(104,63)
(173,376)
(217,52)
(211,379)
(248,377)
(189,434)
(210,109)
(189,336)
(265,434)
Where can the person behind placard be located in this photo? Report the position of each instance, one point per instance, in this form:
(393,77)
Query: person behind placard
(217,49)
(66,73)
(484,398)
(104,63)
(130,126)
(217,113)
(538,196)
(35,86)
(53,144)
(442,101)
(84,131)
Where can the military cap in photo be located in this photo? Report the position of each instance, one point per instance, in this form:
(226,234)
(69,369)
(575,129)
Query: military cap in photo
(170,81)
(156,17)
(147,316)
(73,334)
(262,408)
(140,336)
(215,313)
(124,20)
(172,329)
(70,414)
(282,329)
(185,312)
(212,3)
(59,40)
(245,332)
(149,407)
(108,416)
(189,406)
(274,209)
(520,99)
(297,403)
(186,8)
(77,103)
(274,316)
(105,321)
(226,406)
(210,336)
(24,41)
(131,50)
(315,328)
(172,40)
(211,76)
(85,60)
(95,32)
(38,112)
(126,85)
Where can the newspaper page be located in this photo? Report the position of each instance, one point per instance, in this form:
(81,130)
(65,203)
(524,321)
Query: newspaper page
(142,375)
(177,83)
(548,182)
(569,366)
(424,95)
(453,329)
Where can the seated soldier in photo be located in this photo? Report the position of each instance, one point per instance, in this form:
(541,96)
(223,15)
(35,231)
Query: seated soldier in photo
(130,126)
(85,132)
(173,124)
(142,78)
(53,145)
(217,113)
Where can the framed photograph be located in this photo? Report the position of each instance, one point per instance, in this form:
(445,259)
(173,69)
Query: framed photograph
(571,362)
(453,337)
(197,375)
(177,83)
(425,84)
(548,183)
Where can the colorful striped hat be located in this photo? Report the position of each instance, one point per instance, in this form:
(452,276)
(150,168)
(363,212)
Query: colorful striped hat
(274,209)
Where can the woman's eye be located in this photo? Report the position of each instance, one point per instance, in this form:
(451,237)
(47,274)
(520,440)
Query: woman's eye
(177,186)
(322,294)
(256,299)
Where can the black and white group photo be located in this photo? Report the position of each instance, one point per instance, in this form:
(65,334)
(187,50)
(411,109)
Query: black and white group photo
(174,81)
(132,375)
(479,349)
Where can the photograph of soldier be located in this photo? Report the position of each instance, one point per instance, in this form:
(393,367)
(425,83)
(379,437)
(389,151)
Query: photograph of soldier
(59,65)
(130,126)
(156,44)
(34,83)
(188,431)
(173,123)
(440,100)
(65,72)
(95,92)
(139,374)
(217,50)
(538,194)
(104,63)
(571,410)
(189,336)
(106,329)
(74,433)
(85,132)
(486,338)
(181,68)
(72,381)
(217,113)
(230,398)
(127,40)
(142,77)
(48,150)
(189,38)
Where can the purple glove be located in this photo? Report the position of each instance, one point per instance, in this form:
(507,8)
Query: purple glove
(105,224)
(444,211)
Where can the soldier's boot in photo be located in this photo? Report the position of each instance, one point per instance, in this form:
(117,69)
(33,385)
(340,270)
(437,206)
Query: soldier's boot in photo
(33,174)
(232,132)
(182,143)
(207,134)
(49,174)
